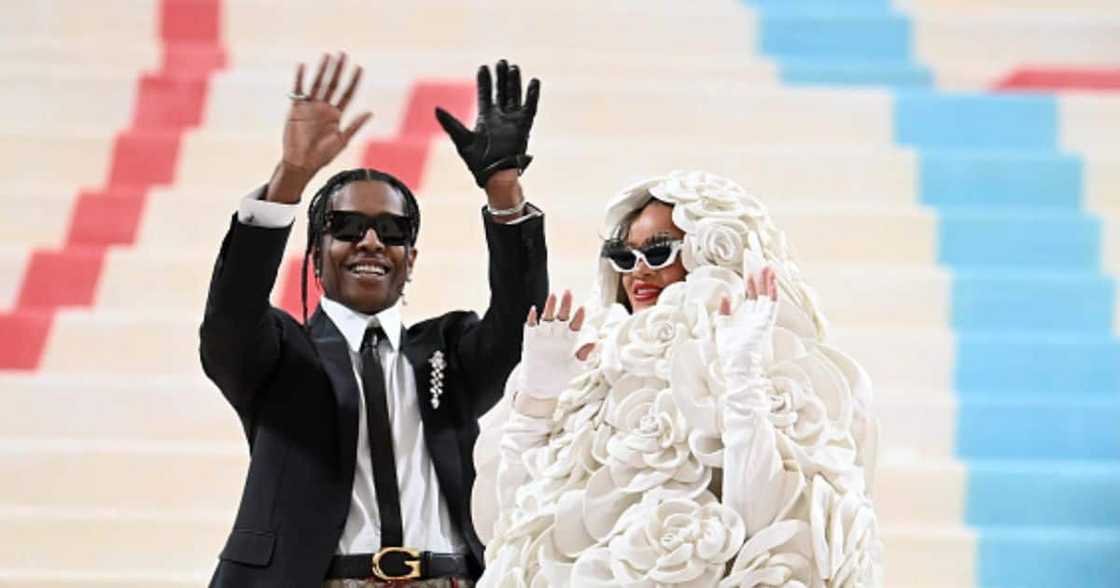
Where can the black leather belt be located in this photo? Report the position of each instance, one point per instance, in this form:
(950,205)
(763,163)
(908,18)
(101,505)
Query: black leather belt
(399,563)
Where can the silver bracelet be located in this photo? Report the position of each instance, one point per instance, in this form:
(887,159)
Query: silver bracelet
(507,211)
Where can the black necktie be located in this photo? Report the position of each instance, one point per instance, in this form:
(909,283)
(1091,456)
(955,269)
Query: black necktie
(381,441)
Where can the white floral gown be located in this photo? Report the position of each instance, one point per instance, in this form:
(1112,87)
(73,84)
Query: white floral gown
(692,449)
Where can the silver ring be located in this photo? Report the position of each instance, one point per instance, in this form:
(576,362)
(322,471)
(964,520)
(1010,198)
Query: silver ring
(298,97)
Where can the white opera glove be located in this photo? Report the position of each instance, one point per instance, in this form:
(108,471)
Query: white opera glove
(758,482)
(548,359)
(747,333)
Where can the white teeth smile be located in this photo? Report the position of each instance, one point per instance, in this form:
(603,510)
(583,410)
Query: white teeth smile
(369,270)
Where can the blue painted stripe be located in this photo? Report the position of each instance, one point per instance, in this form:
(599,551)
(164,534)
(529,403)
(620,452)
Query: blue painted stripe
(1037,493)
(1053,427)
(1028,363)
(830,35)
(975,122)
(857,43)
(1014,557)
(1000,178)
(993,300)
(1019,239)
(1037,367)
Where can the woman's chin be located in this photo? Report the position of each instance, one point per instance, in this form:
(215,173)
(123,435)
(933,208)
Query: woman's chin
(640,305)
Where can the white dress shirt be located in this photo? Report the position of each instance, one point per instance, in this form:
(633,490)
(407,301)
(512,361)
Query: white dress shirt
(427,523)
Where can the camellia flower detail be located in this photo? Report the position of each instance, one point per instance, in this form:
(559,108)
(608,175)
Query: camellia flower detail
(671,542)
(641,344)
(715,241)
(695,448)
(649,447)
(779,555)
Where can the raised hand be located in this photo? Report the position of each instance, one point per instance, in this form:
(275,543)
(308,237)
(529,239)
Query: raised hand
(501,132)
(747,334)
(548,358)
(313,132)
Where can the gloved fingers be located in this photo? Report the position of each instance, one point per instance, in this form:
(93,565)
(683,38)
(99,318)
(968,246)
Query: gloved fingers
(513,89)
(532,96)
(502,83)
(485,90)
(460,135)
(772,301)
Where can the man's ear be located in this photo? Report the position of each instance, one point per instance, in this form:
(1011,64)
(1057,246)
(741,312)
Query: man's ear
(411,260)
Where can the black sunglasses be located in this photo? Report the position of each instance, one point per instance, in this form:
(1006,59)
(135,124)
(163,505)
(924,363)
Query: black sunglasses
(656,255)
(391,229)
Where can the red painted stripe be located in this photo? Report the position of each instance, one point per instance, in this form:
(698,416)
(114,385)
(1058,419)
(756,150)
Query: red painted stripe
(106,218)
(1058,79)
(168,103)
(25,338)
(61,278)
(404,156)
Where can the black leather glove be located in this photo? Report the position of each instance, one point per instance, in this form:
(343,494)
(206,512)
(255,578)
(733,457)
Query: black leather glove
(501,132)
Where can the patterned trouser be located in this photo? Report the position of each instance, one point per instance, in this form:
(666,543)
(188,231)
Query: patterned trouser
(436,583)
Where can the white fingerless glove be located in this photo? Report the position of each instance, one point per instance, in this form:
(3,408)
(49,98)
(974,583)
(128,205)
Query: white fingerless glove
(747,333)
(548,360)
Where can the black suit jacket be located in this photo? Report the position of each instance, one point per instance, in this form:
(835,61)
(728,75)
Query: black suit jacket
(297,399)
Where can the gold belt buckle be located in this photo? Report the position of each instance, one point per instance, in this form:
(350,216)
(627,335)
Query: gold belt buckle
(413,566)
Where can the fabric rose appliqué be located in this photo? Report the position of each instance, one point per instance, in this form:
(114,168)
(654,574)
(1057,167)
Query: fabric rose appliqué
(845,536)
(779,555)
(651,446)
(715,241)
(642,343)
(674,542)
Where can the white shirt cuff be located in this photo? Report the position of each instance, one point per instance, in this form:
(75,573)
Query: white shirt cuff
(262,213)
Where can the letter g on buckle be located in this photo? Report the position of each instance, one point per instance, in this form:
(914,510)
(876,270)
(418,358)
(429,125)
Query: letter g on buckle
(413,565)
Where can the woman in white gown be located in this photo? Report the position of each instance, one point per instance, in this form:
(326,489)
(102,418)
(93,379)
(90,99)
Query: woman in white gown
(693,427)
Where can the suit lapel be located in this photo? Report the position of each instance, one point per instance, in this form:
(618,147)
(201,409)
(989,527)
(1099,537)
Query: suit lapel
(440,434)
(335,356)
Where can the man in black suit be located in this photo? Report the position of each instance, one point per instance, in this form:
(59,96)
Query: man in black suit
(360,430)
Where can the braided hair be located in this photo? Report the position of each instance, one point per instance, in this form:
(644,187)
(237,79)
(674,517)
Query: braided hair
(320,208)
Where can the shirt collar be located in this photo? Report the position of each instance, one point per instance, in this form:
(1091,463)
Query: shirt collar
(353,324)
